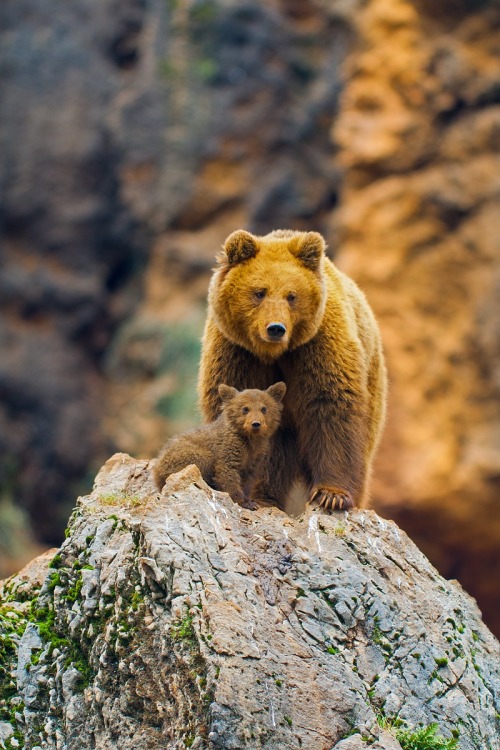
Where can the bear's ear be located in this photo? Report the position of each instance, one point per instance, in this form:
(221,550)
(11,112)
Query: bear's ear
(310,250)
(227,392)
(277,391)
(239,246)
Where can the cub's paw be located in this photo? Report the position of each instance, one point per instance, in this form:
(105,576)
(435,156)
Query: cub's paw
(331,498)
(248,504)
(263,501)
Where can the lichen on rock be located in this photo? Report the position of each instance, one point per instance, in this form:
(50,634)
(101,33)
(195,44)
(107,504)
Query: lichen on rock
(183,620)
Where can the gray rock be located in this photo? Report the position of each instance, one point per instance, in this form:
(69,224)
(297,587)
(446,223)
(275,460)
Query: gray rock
(219,627)
(6,731)
(27,681)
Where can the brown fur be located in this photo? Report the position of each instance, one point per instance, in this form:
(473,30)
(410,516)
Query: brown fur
(330,358)
(231,451)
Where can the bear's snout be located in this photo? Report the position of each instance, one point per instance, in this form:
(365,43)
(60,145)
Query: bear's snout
(255,425)
(276,331)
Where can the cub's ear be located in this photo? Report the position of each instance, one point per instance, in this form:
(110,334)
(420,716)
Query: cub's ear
(227,392)
(310,249)
(277,391)
(239,246)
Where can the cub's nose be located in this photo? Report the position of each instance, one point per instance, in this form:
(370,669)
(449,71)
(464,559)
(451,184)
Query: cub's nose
(256,425)
(276,331)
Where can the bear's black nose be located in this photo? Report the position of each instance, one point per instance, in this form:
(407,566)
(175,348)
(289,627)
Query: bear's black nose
(276,330)
(256,425)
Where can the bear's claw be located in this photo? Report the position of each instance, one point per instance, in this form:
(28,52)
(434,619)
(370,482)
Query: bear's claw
(330,499)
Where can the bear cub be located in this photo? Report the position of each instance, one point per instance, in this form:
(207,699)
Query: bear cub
(231,451)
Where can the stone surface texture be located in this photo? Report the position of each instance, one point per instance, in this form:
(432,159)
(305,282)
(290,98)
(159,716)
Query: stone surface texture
(180,620)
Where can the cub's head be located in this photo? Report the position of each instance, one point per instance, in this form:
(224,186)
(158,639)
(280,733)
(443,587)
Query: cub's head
(268,293)
(253,412)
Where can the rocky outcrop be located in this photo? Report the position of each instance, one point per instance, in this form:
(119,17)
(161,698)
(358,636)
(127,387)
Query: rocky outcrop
(182,620)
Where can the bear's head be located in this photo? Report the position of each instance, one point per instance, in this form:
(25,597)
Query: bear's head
(268,293)
(253,412)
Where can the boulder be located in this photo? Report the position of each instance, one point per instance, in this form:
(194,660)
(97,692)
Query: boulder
(179,619)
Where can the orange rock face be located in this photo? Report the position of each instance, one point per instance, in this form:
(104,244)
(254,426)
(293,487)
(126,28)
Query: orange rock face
(418,227)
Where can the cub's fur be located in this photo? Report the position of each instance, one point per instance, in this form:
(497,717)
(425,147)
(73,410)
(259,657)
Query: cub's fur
(230,451)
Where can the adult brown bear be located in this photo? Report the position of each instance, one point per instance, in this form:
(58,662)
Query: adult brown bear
(280,310)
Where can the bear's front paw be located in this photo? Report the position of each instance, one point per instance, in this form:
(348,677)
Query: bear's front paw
(331,498)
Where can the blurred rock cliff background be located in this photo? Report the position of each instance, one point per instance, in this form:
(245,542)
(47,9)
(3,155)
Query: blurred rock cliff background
(136,134)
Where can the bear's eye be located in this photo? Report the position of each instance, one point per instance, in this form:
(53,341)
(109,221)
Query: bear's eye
(291,297)
(245,410)
(259,293)
(264,409)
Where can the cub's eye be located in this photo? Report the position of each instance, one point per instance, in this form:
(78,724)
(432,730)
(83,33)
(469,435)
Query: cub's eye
(291,297)
(259,293)
(264,409)
(245,410)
